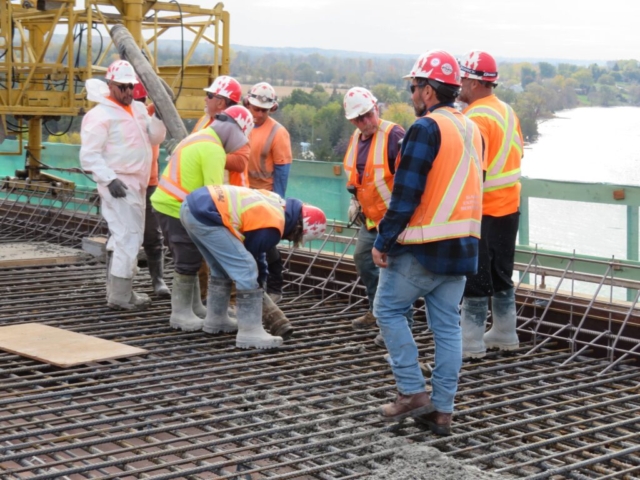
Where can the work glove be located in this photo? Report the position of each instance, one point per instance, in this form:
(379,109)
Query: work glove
(117,188)
(354,214)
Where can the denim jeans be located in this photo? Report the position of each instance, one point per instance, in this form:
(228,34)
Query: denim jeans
(368,271)
(224,253)
(402,283)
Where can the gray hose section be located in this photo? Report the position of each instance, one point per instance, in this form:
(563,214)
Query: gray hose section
(129,50)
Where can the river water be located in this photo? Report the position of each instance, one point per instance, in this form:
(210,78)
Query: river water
(585,145)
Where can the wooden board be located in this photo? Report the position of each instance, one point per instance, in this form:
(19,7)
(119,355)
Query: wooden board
(60,347)
(37,253)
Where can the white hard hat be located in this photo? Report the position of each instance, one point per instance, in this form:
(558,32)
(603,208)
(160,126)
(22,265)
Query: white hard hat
(358,101)
(262,95)
(121,71)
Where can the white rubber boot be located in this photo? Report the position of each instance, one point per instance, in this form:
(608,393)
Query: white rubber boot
(198,308)
(109,256)
(251,333)
(217,319)
(502,334)
(473,321)
(155,262)
(122,297)
(182,315)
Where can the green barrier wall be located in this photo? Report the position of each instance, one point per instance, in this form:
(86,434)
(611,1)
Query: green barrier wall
(318,183)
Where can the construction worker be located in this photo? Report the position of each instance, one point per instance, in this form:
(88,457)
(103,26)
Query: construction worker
(269,164)
(369,164)
(502,136)
(198,160)
(117,139)
(233,227)
(223,93)
(152,241)
(428,241)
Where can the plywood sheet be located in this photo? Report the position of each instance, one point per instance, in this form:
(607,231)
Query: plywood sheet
(61,347)
(37,253)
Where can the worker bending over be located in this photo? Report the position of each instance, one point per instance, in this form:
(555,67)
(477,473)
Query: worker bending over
(234,227)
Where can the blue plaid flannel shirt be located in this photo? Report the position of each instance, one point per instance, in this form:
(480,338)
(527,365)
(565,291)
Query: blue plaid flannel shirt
(458,256)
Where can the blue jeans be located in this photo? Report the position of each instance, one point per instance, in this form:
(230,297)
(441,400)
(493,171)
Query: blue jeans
(224,253)
(402,283)
(368,271)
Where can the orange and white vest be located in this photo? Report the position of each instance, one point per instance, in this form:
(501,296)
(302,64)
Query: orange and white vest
(503,142)
(451,205)
(374,190)
(202,123)
(245,209)
(171,181)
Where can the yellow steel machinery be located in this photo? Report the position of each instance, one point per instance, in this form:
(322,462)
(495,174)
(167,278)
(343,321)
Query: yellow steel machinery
(49,48)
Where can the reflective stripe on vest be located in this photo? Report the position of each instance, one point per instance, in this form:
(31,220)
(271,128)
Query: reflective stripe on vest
(263,173)
(377,161)
(171,184)
(233,203)
(441,225)
(496,176)
(202,123)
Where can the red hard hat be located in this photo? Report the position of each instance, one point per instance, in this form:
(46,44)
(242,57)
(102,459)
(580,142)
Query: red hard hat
(242,117)
(479,65)
(314,223)
(227,87)
(139,92)
(437,65)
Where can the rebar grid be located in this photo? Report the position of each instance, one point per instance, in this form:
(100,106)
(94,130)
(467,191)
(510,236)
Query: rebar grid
(196,407)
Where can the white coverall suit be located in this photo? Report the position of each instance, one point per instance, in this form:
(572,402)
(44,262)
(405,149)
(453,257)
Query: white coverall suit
(118,145)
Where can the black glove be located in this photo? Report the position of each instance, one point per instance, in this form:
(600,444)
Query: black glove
(117,188)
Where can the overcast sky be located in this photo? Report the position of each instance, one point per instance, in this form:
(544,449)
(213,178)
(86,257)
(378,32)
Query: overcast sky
(561,29)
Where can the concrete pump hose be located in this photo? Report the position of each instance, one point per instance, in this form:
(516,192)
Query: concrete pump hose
(155,86)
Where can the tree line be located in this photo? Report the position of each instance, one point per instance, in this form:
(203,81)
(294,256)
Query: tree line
(313,112)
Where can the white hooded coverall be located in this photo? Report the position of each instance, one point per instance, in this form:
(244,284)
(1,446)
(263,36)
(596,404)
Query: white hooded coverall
(116,144)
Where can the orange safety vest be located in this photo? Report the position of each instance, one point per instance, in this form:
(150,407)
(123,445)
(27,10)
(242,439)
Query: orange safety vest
(451,205)
(170,180)
(265,171)
(374,190)
(244,209)
(202,123)
(501,129)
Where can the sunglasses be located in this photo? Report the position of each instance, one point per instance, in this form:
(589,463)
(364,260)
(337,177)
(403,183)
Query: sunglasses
(125,86)
(412,88)
(211,96)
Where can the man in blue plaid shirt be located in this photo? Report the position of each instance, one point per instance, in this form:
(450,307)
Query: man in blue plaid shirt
(428,241)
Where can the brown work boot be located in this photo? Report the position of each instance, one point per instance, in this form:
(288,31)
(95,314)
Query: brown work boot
(364,322)
(438,422)
(406,406)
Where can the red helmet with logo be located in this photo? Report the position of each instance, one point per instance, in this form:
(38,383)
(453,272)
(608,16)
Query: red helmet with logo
(436,65)
(314,223)
(242,117)
(479,65)
(227,87)
(139,92)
